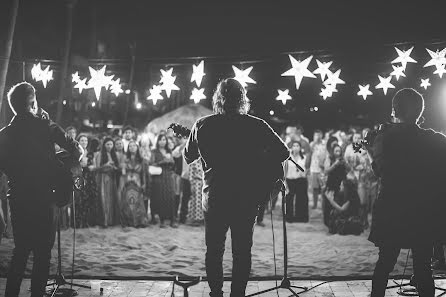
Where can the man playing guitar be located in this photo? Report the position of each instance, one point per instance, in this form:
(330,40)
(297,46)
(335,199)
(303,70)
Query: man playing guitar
(238,152)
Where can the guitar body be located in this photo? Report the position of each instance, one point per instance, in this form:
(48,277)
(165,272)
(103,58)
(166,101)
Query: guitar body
(68,178)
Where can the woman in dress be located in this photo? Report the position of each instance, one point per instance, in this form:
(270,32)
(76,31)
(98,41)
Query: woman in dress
(83,200)
(163,189)
(345,216)
(178,159)
(132,187)
(106,165)
(120,155)
(336,169)
(195,214)
(296,186)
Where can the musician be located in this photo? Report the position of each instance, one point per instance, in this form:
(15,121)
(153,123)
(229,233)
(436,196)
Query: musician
(408,211)
(232,147)
(27,157)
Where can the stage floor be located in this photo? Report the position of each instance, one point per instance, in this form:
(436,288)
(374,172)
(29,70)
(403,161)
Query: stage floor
(357,288)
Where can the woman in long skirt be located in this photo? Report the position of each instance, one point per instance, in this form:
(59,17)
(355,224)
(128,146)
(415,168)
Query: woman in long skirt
(195,214)
(106,165)
(162,189)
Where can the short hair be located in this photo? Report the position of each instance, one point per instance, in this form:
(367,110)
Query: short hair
(126,128)
(318,131)
(408,104)
(18,97)
(70,128)
(230,97)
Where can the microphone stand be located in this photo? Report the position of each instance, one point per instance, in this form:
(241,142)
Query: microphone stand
(285,283)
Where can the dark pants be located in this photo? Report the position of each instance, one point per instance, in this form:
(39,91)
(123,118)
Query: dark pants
(216,226)
(421,265)
(186,193)
(34,231)
(297,200)
(261,212)
(438,252)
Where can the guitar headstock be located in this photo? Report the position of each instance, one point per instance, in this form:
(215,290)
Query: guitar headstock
(179,130)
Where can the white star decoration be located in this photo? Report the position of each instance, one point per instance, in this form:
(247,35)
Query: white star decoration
(81,84)
(333,78)
(322,69)
(168,82)
(325,93)
(42,75)
(242,76)
(299,70)
(115,87)
(284,96)
(440,71)
(384,83)
(75,77)
(397,72)
(364,91)
(437,58)
(197,95)
(155,94)
(425,83)
(198,73)
(404,57)
(99,80)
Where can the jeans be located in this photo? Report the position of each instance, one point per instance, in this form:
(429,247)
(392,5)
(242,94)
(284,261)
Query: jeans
(217,224)
(34,231)
(421,265)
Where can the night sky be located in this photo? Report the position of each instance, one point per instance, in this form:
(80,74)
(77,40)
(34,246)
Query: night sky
(357,36)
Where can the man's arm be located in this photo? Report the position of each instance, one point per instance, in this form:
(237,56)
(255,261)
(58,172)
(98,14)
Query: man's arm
(276,148)
(190,151)
(59,136)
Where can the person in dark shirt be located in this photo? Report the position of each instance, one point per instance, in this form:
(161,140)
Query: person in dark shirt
(27,157)
(409,211)
(232,147)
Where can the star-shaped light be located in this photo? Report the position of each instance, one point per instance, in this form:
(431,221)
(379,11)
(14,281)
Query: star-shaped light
(440,71)
(46,75)
(98,80)
(155,94)
(242,76)
(197,73)
(438,58)
(299,70)
(42,75)
(325,93)
(197,95)
(75,77)
(333,78)
(81,85)
(168,82)
(364,91)
(425,83)
(322,69)
(284,96)
(397,72)
(404,57)
(115,87)
(384,83)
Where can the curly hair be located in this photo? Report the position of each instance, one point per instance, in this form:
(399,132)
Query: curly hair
(230,98)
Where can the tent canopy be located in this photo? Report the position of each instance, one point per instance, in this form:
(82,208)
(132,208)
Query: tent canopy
(185,115)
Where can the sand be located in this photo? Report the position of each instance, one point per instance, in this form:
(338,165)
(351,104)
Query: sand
(118,253)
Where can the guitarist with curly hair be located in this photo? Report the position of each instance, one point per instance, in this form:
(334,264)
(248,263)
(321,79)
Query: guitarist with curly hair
(241,156)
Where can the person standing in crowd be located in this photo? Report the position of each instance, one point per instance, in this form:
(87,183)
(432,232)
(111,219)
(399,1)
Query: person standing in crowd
(132,188)
(403,156)
(296,186)
(89,193)
(344,217)
(336,170)
(195,214)
(162,188)
(27,157)
(185,181)
(177,157)
(71,131)
(232,165)
(120,155)
(318,153)
(128,134)
(106,165)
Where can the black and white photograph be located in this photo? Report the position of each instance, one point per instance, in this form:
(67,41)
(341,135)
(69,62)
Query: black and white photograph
(222,148)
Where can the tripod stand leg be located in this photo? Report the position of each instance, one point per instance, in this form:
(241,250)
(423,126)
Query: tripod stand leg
(264,291)
(294,293)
